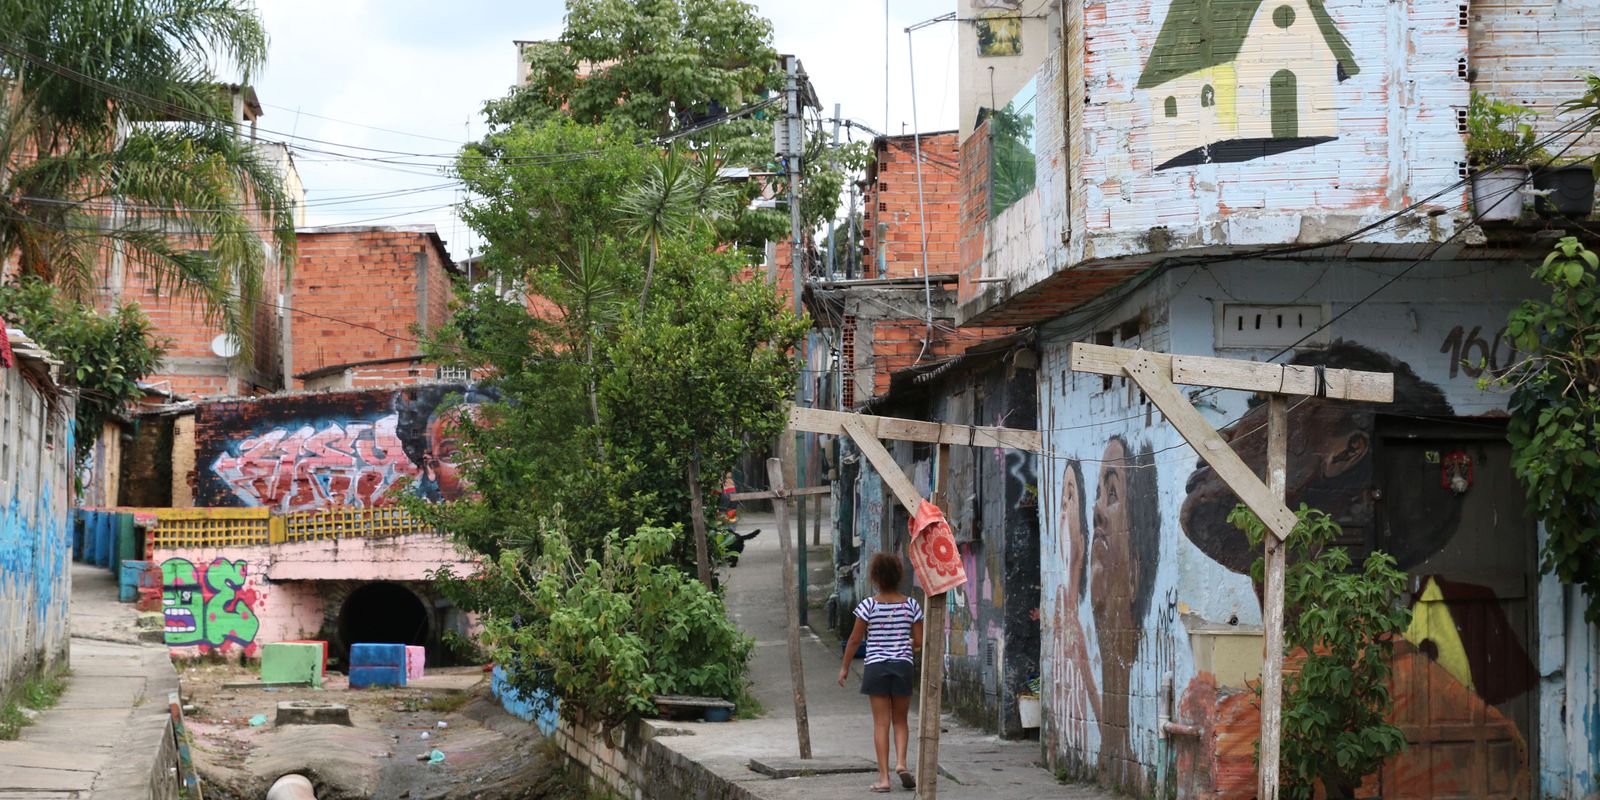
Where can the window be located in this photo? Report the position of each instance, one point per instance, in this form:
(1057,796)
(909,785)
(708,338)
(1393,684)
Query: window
(1208,97)
(1172,107)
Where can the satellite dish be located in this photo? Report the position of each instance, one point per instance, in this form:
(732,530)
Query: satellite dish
(225,346)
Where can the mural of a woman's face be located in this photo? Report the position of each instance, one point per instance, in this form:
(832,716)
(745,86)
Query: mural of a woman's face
(1072,535)
(1112,571)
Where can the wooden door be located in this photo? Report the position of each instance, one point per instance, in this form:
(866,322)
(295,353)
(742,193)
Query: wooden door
(1464,681)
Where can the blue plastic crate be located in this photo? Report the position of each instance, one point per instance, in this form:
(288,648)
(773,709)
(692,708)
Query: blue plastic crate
(128,580)
(363,677)
(378,655)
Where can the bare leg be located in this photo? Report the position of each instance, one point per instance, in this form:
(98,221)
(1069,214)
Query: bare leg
(902,731)
(882,713)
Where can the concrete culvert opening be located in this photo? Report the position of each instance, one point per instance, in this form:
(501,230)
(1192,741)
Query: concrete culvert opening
(384,613)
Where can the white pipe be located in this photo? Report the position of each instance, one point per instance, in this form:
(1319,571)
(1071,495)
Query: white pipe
(292,787)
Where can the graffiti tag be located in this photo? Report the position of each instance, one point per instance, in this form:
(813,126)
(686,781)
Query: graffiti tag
(207,607)
(355,463)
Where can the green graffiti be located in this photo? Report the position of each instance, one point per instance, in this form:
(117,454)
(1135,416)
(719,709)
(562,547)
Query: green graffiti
(207,607)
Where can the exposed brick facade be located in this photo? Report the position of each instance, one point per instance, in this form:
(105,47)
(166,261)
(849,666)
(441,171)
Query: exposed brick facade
(360,292)
(191,368)
(892,228)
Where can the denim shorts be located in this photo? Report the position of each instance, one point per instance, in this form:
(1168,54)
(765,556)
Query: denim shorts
(888,677)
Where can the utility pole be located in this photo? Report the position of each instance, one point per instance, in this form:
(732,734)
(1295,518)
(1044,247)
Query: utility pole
(833,161)
(791,147)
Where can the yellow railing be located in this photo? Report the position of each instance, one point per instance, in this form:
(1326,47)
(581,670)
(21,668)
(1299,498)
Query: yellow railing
(242,527)
(349,523)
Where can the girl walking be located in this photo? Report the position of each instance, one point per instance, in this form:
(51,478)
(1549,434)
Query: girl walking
(891,624)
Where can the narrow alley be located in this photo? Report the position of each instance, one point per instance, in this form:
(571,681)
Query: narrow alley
(973,765)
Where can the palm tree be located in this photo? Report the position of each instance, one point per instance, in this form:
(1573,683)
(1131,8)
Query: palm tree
(669,201)
(115,133)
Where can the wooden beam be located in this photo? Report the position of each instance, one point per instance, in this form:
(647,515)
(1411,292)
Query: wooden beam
(933,648)
(1249,376)
(742,497)
(884,463)
(815,420)
(1272,605)
(1210,444)
(791,598)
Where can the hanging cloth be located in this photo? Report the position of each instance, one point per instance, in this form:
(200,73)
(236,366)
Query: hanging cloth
(934,556)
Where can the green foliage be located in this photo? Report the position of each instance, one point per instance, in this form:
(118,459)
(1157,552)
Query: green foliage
(105,356)
(608,631)
(38,693)
(1013,164)
(121,97)
(1589,106)
(1345,620)
(650,64)
(1555,414)
(1500,133)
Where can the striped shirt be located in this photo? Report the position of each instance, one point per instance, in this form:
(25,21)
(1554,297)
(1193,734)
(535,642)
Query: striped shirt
(888,628)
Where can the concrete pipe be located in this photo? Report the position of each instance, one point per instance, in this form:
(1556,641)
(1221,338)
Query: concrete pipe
(292,787)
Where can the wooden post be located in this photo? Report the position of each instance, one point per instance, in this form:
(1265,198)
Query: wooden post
(780,505)
(802,573)
(933,645)
(1272,604)
(697,515)
(816,521)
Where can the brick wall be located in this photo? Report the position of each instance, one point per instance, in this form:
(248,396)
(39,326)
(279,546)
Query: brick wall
(891,200)
(191,367)
(358,292)
(974,211)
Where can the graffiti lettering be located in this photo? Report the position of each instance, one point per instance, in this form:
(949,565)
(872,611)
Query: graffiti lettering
(1470,353)
(207,607)
(355,463)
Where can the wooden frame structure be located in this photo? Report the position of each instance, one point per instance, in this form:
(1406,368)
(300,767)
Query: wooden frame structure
(1157,374)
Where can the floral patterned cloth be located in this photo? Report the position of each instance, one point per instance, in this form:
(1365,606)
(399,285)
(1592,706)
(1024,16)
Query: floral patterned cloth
(933,551)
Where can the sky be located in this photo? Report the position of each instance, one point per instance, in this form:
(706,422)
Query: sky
(409,76)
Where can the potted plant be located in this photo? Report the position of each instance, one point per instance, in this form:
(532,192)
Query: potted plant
(1567,188)
(1500,142)
(1028,705)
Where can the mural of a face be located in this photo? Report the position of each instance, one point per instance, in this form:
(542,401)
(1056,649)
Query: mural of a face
(1073,530)
(1112,562)
(1330,461)
(445,450)
(182,603)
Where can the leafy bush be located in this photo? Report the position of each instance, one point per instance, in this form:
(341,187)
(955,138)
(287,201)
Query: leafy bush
(105,356)
(1345,621)
(608,633)
(1555,414)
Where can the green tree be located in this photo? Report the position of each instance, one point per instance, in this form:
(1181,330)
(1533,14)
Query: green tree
(113,135)
(104,356)
(654,64)
(1555,414)
(1345,622)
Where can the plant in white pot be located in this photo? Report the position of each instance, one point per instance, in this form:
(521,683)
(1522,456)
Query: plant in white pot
(1500,144)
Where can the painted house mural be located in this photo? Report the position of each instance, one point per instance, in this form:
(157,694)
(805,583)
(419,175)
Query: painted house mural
(1236,80)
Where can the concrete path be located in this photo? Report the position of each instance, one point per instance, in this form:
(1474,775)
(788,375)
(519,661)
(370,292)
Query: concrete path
(977,765)
(103,739)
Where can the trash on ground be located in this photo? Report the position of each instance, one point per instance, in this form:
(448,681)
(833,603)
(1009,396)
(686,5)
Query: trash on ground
(436,757)
(258,720)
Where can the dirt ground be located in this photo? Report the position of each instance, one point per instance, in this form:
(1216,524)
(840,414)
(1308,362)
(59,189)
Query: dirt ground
(488,754)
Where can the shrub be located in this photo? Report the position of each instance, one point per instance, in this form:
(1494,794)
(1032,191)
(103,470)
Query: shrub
(1345,620)
(609,632)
